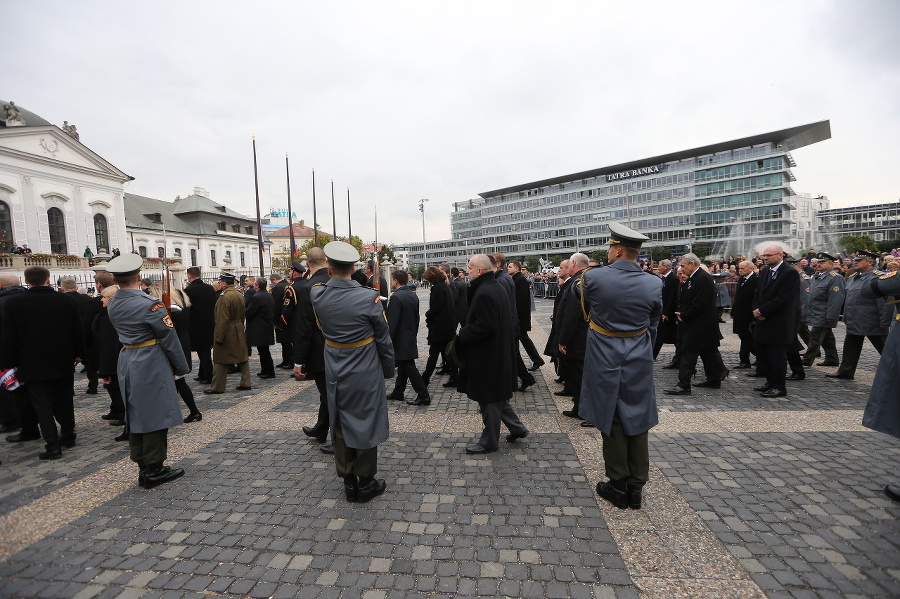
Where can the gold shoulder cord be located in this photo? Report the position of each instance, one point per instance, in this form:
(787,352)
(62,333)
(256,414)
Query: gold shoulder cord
(316,314)
(580,283)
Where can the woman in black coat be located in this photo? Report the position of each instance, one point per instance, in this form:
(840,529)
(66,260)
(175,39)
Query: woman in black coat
(440,318)
(180,313)
(260,328)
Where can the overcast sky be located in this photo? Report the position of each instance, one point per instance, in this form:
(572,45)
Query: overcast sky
(406,100)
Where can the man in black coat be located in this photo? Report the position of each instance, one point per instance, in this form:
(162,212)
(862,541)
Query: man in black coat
(667,332)
(309,344)
(202,323)
(699,319)
(523,310)
(403,322)
(279,284)
(742,311)
(501,275)
(87,310)
(260,312)
(16,412)
(484,340)
(775,311)
(552,347)
(287,310)
(572,332)
(42,337)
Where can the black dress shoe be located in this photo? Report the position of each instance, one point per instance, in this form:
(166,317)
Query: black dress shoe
(828,364)
(564,393)
(613,495)
(837,375)
(265,376)
(351,488)
(587,424)
(20,438)
(571,414)
(329,448)
(67,443)
(893,491)
(676,390)
(450,383)
(91,391)
(443,371)
(634,499)
(8,428)
(765,387)
(51,454)
(419,401)
(798,376)
(117,423)
(110,416)
(526,384)
(122,437)
(395,395)
(774,393)
(212,392)
(243,388)
(193,417)
(755,375)
(743,366)
(669,366)
(709,384)
(158,475)
(285,366)
(319,435)
(559,381)
(204,381)
(476,449)
(513,437)
(536,366)
(233,370)
(371,489)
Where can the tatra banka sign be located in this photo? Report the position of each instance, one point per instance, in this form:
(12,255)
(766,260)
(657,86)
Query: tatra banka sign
(638,172)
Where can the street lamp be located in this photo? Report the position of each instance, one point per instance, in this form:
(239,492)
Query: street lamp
(424,248)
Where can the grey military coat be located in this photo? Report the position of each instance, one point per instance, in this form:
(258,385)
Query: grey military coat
(618,371)
(826,297)
(147,374)
(723,296)
(354,377)
(882,411)
(865,315)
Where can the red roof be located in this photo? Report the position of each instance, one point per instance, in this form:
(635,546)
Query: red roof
(300,230)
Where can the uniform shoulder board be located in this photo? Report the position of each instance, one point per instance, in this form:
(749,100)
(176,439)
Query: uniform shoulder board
(889,275)
(878,272)
(156,307)
(833,273)
(803,275)
(319,285)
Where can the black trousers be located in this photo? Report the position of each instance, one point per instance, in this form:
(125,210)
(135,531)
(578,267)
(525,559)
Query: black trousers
(407,372)
(27,417)
(853,345)
(492,414)
(205,368)
(773,363)
(433,352)
(266,364)
(322,422)
(93,379)
(287,352)
(530,349)
(8,414)
(627,458)
(574,372)
(746,337)
(351,461)
(54,401)
(116,403)
(713,367)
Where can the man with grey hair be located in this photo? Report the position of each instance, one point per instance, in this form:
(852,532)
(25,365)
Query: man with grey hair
(668,325)
(572,333)
(552,347)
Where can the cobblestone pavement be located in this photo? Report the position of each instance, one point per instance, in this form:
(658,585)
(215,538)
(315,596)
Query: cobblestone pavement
(748,497)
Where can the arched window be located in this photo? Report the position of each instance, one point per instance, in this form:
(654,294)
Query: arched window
(212,257)
(57,231)
(101,234)
(6,233)
(142,250)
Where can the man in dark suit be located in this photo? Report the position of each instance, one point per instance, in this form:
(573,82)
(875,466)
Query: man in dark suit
(552,347)
(572,333)
(775,311)
(202,323)
(667,332)
(523,310)
(31,321)
(279,284)
(502,276)
(403,323)
(461,307)
(309,344)
(87,310)
(697,314)
(742,311)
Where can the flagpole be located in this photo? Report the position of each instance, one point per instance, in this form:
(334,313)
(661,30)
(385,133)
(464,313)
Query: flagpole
(287,170)
(333,214)
(259,248)
(349,226)
(315,220)
(376,235)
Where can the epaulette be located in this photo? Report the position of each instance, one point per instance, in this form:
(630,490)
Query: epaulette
(319,285)
(834,273)
(803,275)
(889,275)
(878,272)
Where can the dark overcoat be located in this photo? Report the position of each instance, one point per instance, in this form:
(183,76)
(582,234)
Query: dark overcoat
(668,329)
(552,347)
(776,300)
(230,341)
(572,328)
(107,343)
(523,301)
(700,323)
(281,335)
(439,318)
(260,318)
(42,334)
(182,321)
(203,314)
(742,311)
(882,411)
(309,344)
(485,343)
(461,299)
(403,321)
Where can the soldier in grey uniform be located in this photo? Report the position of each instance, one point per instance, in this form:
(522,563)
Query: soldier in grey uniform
(617,392)
(882,411)
(826,296)
(723,296)
(150,359)
(864,316)
(358,357)
(802,328)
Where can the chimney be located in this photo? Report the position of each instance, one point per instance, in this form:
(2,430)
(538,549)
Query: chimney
(301,223)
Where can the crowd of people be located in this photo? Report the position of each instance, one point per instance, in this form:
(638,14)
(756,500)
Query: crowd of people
(349,330)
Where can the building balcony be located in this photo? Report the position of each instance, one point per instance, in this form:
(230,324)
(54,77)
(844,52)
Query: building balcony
(54,262)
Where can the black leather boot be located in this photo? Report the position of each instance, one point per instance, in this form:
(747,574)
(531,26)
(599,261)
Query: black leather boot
(142,473)
(158,474)
(351,487)
(369,489)
(611,492)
